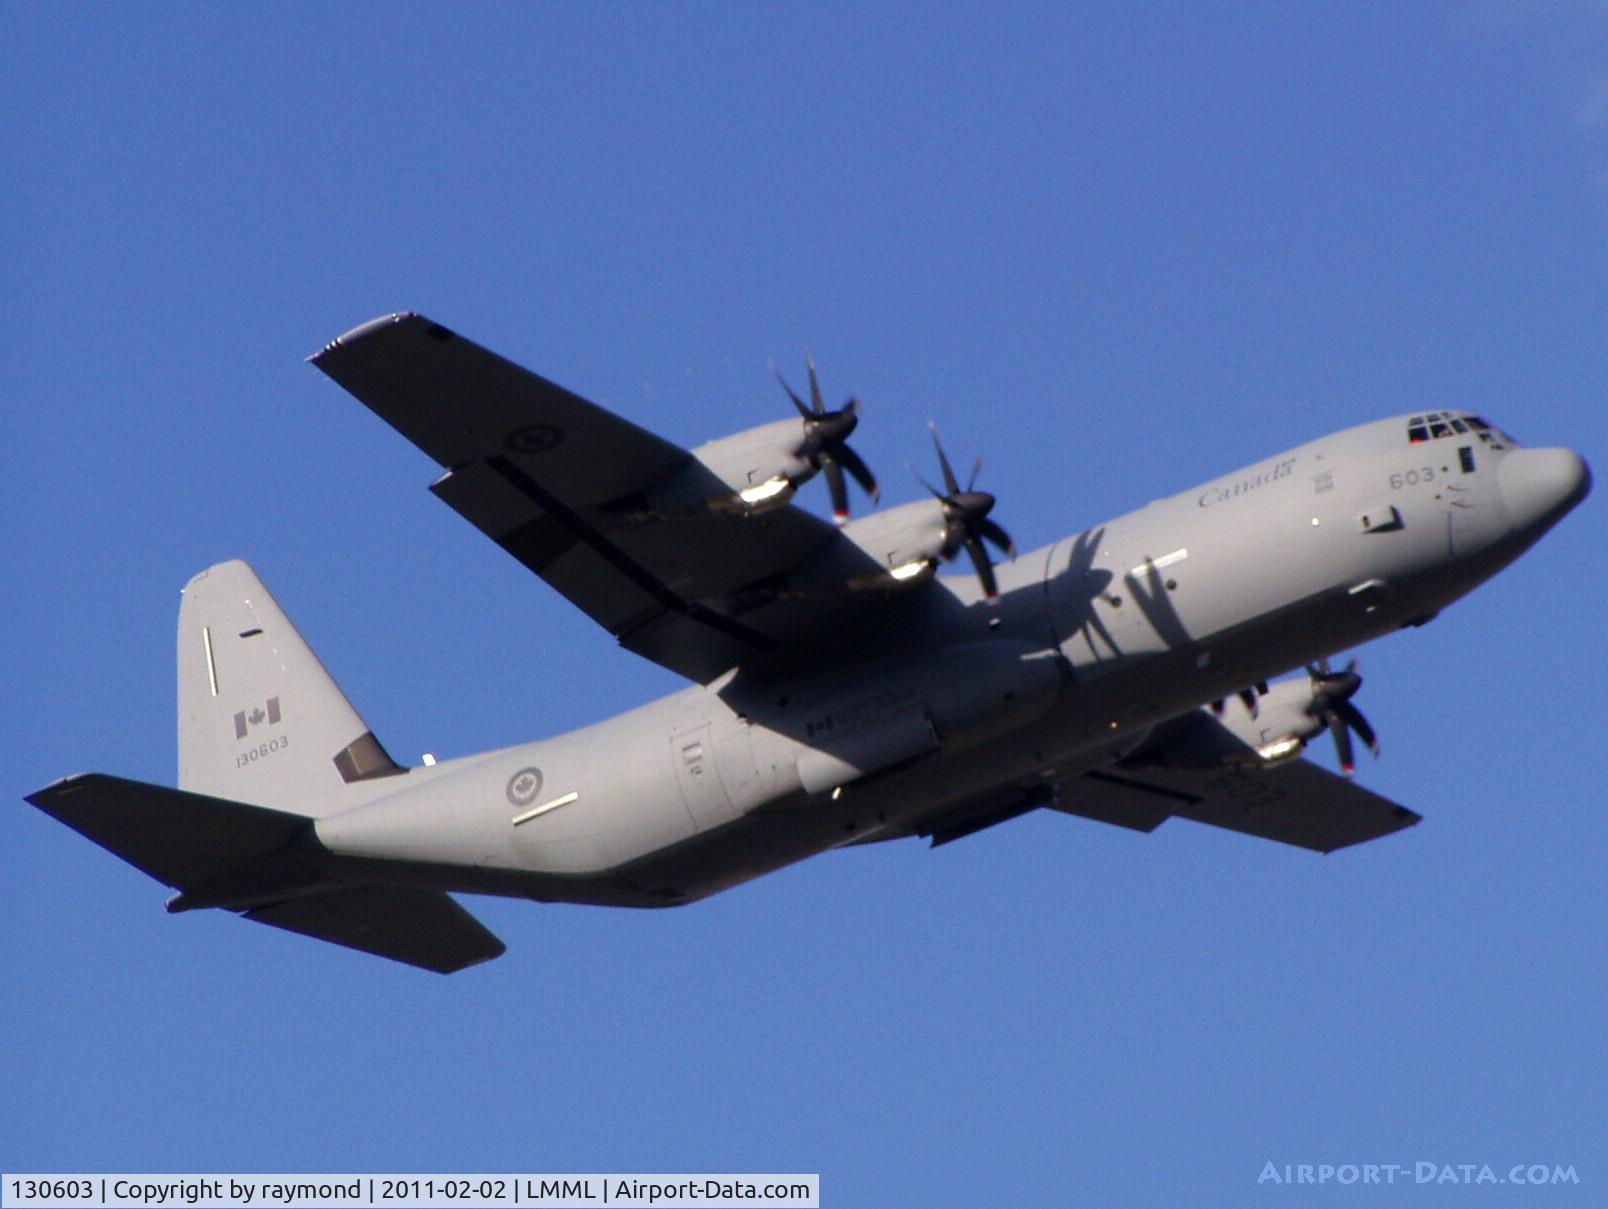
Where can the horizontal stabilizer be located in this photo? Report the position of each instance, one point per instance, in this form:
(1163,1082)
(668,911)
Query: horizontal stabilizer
(425,928)
(182,839)
(266,864)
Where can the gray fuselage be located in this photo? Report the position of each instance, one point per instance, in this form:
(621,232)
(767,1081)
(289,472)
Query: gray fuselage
(1096,639)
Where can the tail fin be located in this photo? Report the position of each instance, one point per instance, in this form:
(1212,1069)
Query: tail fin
(260,720)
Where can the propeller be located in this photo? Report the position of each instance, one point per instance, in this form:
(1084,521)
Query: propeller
(825,447)
(966,522)
(1331,704)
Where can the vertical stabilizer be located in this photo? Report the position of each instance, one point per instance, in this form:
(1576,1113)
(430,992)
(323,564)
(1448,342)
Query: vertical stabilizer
(260,720)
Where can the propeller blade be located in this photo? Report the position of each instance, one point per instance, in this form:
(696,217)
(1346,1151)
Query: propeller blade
(1002,540)
(950,485)
(977,469)
(815,389)
(985,570)
(1342,742)
(862,475)
(797,402)
(835,487)
(1248,696)
(936,494)
(1352,717)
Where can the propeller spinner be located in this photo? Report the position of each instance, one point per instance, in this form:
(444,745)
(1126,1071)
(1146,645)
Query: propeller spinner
(825,445)
(966,522)
(1331,704)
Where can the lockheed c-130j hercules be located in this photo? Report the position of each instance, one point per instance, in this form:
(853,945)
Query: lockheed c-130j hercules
(842,691)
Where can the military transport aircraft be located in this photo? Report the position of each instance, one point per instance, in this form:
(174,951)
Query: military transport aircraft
(842,692)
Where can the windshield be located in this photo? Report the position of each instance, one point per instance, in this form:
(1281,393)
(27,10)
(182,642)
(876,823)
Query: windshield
(1434,425)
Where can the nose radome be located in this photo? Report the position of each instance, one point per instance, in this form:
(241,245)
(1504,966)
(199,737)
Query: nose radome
(1540,485)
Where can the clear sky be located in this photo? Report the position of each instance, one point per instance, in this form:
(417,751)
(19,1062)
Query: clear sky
(1116,250)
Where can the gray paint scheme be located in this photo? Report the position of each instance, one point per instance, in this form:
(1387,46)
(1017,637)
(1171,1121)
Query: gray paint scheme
(834,704)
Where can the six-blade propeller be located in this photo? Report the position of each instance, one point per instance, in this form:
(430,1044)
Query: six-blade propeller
(825,446)
(1331,705)
(966,521)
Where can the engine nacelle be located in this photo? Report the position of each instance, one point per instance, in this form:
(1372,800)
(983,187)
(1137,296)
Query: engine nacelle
(761,466)
(906,541)
(1279,727)
(885,551)
(1275,731)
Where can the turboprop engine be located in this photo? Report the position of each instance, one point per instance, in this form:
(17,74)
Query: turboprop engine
(764,466)
(1268,724)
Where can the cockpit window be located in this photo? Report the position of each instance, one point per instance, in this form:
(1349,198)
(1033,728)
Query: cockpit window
(1433,425)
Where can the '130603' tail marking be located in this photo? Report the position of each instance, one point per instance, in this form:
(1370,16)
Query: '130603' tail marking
(262,751)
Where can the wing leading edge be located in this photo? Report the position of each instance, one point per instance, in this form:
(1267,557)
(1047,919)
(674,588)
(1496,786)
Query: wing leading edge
(612,516)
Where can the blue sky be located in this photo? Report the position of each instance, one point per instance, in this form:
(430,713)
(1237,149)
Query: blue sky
(1115,250)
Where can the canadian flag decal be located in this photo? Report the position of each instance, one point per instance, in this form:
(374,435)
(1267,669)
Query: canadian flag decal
(267,712)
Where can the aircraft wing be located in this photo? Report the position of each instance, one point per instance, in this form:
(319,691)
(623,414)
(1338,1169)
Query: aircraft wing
(1296,803)
(564,486)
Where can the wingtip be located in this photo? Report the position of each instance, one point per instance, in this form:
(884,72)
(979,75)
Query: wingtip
(361,330)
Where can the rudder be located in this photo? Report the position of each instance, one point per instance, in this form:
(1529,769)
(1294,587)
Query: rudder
(260,720)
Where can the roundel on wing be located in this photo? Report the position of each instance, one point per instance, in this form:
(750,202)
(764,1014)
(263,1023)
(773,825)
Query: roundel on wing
(534,438)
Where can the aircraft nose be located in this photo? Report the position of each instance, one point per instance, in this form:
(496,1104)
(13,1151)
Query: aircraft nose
(1540,485)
